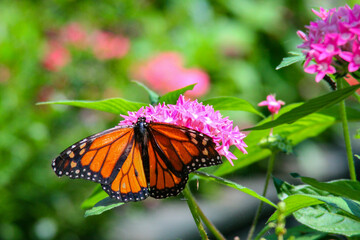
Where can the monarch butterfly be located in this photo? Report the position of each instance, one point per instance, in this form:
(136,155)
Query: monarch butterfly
(136,161)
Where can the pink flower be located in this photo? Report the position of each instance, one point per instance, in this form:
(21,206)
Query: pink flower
(56,57)
(321,68)
(165,72)
(194,115)
(109,46)
(74,34)
(5,73)
(352,57)
(273,105)
(323,13)
(302,35)
(336,35)
(328,48)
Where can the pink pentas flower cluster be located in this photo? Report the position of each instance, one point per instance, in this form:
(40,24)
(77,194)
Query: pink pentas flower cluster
(104,45)
(74,34)
(165,72)
(332,42)
(56,57)
(272,104)
(109,46)
(194,115)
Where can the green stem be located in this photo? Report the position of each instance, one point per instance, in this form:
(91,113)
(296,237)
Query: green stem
(217,234)
(262,232)
(258,211)
(346,135)
(194,211)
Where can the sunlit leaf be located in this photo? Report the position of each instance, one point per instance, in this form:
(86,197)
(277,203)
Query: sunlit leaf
(102,206)
(172,97)
(298,57)
(337,214)
(311,106)
(153,96)
(294,203)
(234,185)
(353,114)
(342,187)
(96,196)
(327,220)
(233,104)
(307,127)
(111,105)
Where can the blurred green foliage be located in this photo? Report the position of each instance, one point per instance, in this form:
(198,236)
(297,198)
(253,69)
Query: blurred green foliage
(238,43)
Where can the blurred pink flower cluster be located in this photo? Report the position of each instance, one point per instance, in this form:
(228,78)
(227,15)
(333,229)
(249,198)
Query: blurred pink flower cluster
(194,115)
(333,42)
(104,45)
(56,57)
(165,72)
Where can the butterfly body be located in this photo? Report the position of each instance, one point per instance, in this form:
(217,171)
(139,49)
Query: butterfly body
(136,161)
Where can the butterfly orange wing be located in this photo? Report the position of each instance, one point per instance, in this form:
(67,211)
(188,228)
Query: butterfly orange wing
(110,158)
(174,152)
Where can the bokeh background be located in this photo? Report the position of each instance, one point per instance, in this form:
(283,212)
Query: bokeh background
(91,50)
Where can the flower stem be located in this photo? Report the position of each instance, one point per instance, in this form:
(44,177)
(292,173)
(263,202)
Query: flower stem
(194,211)
(258,211)
(346,135)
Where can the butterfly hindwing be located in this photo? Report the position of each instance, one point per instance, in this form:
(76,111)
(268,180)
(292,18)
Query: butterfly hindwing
(130,182)
(97,158)
(163,182)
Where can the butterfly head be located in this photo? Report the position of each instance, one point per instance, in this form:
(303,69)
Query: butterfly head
(140,126)
(141,119)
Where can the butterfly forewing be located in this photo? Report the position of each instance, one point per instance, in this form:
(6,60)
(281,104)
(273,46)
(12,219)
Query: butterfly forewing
(96,158)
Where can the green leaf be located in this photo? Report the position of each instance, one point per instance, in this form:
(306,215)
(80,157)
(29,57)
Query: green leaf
(352,114)
(311,106)
(102,206)
(153,96)
(325,219)
(307,127)
(172,97)
(97,195)
(285,189)
(349,206)
(111,105)
(342,187)
(299,57)
(233,104)
(234,185)
(294,203)
(335,216)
